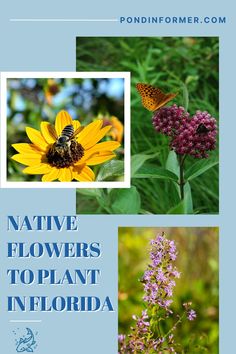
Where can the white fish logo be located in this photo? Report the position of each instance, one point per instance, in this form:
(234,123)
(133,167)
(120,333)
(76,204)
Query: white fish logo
(25,343)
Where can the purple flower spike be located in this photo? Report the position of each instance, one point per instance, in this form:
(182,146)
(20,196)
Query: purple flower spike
(159,283)
(158,279)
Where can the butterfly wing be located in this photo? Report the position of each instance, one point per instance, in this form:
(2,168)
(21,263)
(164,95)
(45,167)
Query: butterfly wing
(152,97)
(164,99)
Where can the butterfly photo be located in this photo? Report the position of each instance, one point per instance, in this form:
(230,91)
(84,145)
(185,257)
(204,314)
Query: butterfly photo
(174,104)
(152,97)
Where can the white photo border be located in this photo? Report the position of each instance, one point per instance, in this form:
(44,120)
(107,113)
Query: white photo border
(4,76)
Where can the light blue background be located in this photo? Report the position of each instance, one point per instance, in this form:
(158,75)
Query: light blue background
(51,47)
(59,332)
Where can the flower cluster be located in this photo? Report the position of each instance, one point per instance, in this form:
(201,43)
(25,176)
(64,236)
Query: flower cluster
(122,343)
(196,136)
(167,120)
(158,279)
(189,136)
(191,314)
(140,340)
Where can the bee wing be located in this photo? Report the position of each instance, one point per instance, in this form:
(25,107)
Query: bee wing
(52,131)
(77,131)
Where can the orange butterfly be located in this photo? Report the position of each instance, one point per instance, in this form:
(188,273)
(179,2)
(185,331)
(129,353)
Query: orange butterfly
(152,97)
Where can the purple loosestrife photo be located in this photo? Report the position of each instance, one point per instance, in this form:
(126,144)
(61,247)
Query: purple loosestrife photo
(160,311)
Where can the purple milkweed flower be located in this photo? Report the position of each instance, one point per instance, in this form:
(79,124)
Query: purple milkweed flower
(192,136)
(167,120)
(196,136)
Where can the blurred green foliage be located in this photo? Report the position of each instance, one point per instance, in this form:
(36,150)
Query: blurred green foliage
(198,263)
(187,65)
(31,101)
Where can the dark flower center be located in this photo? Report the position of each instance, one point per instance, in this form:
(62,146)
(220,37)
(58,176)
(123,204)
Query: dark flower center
(64,154)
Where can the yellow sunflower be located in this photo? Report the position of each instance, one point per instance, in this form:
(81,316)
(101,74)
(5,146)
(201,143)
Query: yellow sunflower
(52,88)
(117,128)
(55,159)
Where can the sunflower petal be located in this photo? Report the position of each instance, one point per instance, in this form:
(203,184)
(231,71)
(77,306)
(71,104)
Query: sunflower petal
(65,175)
(28,159)
(96,137)
(25,148)
(117,130)
(83,175)
(40,169)
(51,176)
(107,146)
(100,158)
(62,120)
(89,132)
(37,139)
(76,124)
(48,132)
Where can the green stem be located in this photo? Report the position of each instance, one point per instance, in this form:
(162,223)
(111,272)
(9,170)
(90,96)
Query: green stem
(176,323)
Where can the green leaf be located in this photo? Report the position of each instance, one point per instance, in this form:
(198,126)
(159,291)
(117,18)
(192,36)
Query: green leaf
(177,209)
(199,168)
(172,163)
(110,170)
(185,97)
(90,192)
(138,160)
(125,201)
(184,206)
(188,201)
(151,171)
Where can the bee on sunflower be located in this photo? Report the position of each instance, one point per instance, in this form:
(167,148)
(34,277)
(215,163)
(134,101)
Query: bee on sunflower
(65,151)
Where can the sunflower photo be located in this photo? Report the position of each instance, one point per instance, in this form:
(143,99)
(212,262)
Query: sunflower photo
(65,129)
(174,123)
(168,290)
